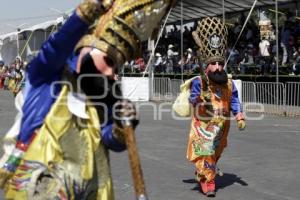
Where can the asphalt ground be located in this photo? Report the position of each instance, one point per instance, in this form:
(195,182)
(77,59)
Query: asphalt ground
(260,163)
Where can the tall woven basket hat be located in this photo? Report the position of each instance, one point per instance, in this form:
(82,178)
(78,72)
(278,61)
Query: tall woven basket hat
(211,37)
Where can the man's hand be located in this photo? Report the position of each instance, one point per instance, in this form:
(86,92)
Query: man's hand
(241,124)
(106,4)
(90,10)
(124,113)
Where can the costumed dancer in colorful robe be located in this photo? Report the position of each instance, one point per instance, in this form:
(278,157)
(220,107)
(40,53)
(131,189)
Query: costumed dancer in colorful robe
(19,76)
(2,69)
(68,123)
(213,97)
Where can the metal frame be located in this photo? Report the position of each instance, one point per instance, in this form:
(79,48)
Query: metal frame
(204,8)
(254,96)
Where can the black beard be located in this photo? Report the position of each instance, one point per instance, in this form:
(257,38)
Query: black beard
(99,88)
(218,77)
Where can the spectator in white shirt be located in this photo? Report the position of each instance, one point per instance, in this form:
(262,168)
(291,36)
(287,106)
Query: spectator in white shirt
(171,58)
(264,47)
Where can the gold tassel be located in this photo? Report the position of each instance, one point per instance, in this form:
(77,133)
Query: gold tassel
(4,177)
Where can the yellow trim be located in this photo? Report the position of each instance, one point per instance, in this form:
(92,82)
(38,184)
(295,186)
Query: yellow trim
(49,145)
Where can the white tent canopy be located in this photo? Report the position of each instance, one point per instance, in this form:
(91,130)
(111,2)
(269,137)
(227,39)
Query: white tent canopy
(13,42)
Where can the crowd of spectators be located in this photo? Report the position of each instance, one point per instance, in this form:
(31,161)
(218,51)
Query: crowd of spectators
(12,76)
(176,53)
(258,55)
(251,55)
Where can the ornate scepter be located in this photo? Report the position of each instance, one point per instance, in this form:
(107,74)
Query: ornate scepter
(134,161)
(126,117)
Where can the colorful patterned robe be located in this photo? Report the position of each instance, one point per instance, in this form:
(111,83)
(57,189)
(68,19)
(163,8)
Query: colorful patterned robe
(210,124)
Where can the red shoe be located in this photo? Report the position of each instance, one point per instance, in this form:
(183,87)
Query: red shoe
(203,186)
(208,188)
(211,188)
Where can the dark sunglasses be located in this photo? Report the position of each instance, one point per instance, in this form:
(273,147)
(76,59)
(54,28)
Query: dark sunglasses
(214,63)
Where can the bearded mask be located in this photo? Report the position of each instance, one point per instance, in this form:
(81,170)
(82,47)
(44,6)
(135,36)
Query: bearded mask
(218,77)
(120,31)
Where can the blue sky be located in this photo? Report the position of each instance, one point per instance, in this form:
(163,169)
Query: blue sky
(31,12)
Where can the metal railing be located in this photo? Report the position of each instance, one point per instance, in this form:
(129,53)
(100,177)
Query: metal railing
(266,97)
(271,96)
(162,89)
(292,107)
(249,97)
(175,85)
(279,99)
(248,92)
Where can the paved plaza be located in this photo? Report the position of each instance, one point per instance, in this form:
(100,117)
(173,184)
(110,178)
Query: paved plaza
(260,163)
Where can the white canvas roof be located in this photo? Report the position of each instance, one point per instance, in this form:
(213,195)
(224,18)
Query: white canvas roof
(41,26)
(38,33)
(194,9)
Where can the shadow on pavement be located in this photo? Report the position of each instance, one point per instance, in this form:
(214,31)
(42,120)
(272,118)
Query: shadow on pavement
(221,182)
(192,181)
(228,180)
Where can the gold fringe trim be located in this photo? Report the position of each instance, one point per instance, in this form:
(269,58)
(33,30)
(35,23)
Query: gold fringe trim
(89,11)
(4,177)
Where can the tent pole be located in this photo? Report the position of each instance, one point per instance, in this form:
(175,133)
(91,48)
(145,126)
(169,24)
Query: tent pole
(158,38)
(277,53)
(27,43)
(45,35)
(240,34)
(18,45)
(223,8)
(149,66)
(181,30)
(34,41)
